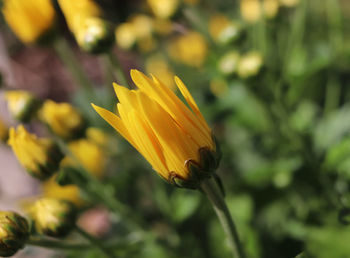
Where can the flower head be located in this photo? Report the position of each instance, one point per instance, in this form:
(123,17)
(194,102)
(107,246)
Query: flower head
(14,232)
(22,104)
(83,17)
(29,20)
(53,217)
(39,156)
(163,8)
(190,49)
(173,138)
(63,119)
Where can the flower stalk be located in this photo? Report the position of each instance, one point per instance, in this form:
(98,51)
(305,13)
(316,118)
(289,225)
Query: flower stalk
(214,194)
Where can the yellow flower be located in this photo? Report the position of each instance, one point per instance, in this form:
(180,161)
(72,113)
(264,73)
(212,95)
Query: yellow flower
(53,217)
(29,20)
(190,49)
(14,232)
(228,63)
(3,131)
(218,87)
(52,189)
(251,10)
(22,104)
(157,66)
(163,8)
(125,35)
(39,156)
(92,33)
(63,119)
(174,139)
(92,158)
(97,136)
(250,64)
(223,30)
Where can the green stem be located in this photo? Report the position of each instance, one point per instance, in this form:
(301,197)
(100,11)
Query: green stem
(214,195)
(68,58)
(96,242)
(117,68)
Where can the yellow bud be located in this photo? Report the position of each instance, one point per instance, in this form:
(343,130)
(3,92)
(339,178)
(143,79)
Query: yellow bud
(143,25)
(218,87)
(251,10)
(228,63)
(29,20)
(39,156)
(63,119)
(125,35)
(22,104)
(14,232)
(95,35)
(190,49)
(163,26)
(52,189)
(223,30)
(53,217)
(83,17)
(97,136)
(250,64)
(163,8)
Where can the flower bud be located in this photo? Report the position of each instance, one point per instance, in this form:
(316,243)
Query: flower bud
(29,20)
(125,35)
(163,8)
(228,63)
(63,119)
(22,104)
(14,232)
(95,35)
(249,65)
(223,30)
(53,217)
(39,156)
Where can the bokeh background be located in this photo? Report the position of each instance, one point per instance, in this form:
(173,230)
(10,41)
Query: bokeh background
(272,79)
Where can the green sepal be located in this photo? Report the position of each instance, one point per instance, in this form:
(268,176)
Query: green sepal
(29,110)
(207,159)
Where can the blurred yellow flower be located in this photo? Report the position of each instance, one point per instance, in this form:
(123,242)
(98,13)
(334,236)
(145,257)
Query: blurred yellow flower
(162,26)
(250,64)
(83,17)
(146,44)
(190,49)
(63,119)
(52,217)
(218,87)
(92,158)
(125,35)
(163,8)
(222,29)
(174,139)
(251,10)
(71,193)
(158,66)
(3,131)
(228,63)
(39,156)
(29,20)
(97,136)
(21,104)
